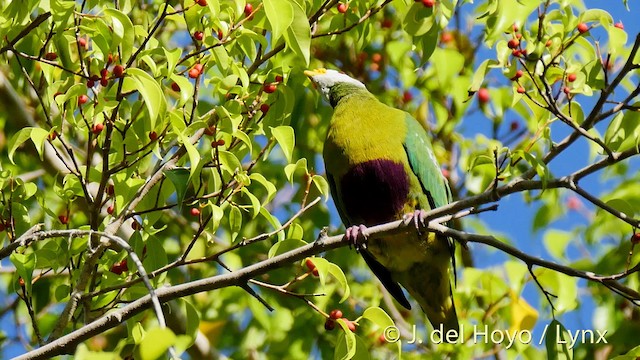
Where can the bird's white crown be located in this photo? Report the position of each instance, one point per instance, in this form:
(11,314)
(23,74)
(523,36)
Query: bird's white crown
(326,79)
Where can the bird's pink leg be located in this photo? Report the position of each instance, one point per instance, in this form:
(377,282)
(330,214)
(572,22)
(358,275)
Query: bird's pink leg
(355,235)
(418,217)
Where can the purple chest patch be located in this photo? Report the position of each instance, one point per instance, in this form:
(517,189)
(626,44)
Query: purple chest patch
(374,191)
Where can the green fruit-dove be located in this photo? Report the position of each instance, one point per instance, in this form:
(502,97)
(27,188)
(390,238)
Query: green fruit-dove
(381,168)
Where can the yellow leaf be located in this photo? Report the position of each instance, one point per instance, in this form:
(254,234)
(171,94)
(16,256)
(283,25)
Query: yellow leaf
(523,315)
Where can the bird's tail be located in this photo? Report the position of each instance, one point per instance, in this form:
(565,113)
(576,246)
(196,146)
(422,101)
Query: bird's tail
(430,285)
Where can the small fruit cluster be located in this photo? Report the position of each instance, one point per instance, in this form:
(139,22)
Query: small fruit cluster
(334,315)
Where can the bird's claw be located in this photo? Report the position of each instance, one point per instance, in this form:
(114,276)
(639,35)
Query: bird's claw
(355,235)
(419,219)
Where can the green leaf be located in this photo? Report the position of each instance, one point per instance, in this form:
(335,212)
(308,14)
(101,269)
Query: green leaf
(557,341)
(280,15)
(285,245)
(150,91)
(37,136)
(322,185)
(268,185)
(179,177)
(291,169)
(216,216)
(298,35)
(622,206)
(25,265)
(155,343)
(235,222)
(481,72)
(123,30)
(346,345)
(556,241)
(255,203)
(194,155)
(286,139)
(633,354)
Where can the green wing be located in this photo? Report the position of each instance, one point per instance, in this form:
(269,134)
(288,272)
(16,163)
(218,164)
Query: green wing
(424,165)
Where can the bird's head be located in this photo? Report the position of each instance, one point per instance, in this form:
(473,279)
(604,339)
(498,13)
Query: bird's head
(326,80)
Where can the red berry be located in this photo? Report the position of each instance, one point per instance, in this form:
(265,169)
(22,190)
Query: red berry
(194,212)
(446,37)
(342,8)
(248,9)
(269,88)
(63,219)
(513,43)
(572,77)
(198,66)
(583,28)
(310,265)
(483,95)
(315,272)
(350,324)
(50,56)
(153,136)
(53,135)
(220,34)
(279,78)
(95,77)
(91,83)
(109,59)
(104,73)
(110,209)
(135,225)
(198,35)
(386,23)
(217,143)
(382,339)
(201,2)
(118,71)
(518,36)
(566,90)
(515,27)
(514,126)
(521,90)
(104,82)
(82,99)
(211,130)
(21,281)
(175,87)
(264,108)
(82,42)
(428,3)
(517,75)
(406,96)
(194,73)
(445,172)
(220,142)
(635,238)
(329,325)
(573,203)
(619,25)
(97,128)
(335,314)
(376,57)
(120,267)
(516,53)
(548,43)
(110,190)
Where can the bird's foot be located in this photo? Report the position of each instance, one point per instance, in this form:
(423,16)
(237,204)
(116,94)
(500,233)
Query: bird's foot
(356,235)
(418,217)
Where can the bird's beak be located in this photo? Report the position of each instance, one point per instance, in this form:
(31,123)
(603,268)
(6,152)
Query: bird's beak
(316,72)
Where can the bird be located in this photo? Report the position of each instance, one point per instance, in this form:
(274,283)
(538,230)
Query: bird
(380,167)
